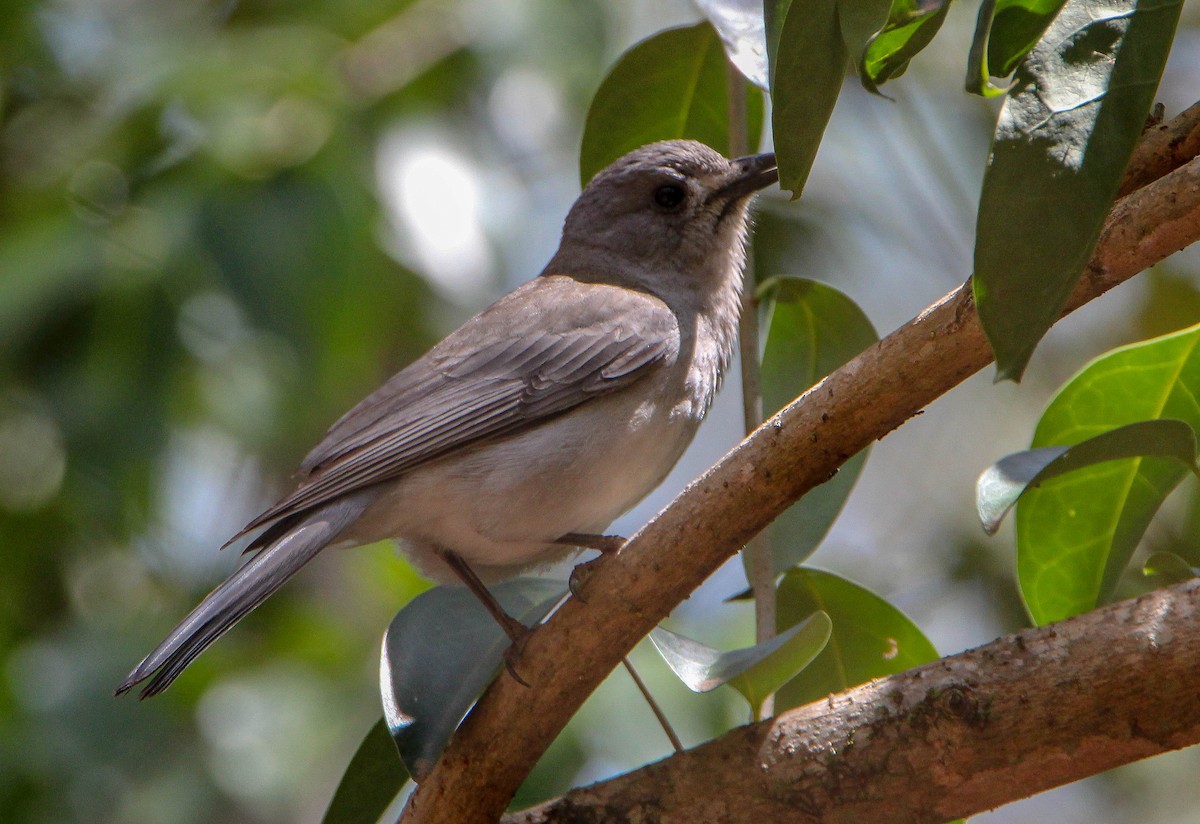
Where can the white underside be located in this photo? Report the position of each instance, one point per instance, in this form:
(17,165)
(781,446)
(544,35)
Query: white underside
(500,506)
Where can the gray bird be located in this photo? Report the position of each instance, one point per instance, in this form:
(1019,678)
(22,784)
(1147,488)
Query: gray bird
(521,436)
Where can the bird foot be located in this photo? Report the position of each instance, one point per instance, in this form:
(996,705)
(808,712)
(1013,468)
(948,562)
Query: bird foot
(605,544)
(512,655)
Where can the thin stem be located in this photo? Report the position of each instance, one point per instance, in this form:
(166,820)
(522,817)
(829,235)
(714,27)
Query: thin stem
(654,707)
(761,572)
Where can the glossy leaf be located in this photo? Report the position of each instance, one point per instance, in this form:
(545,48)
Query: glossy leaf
(739,24)
(910,26)
(371,782)
(755,671)
(671,85)
(440,651)
(808,60)
(1005,31)
(860,21)
(812,329)
(870,638)
(1077,533)
(1169,566)
(1065,134)
(1004,482)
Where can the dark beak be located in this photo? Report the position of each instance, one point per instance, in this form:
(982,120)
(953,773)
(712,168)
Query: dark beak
(751,173)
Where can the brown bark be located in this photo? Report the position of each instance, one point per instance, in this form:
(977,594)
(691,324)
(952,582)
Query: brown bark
(947,740)
(1163,147)
(799,448)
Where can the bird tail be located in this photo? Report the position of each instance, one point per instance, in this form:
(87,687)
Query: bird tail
(240,593)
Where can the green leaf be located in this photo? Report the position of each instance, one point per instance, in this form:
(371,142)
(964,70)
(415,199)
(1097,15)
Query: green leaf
(860,21)
(1005,31)
(1170,566)
(1065,134)
(45,265)
(739,24)
(671,85)
(755,671)
(1004,482)
(808,59)
(812,329)
(440,651)
(371,782)
(1077,533)
(870,638)
(910,26)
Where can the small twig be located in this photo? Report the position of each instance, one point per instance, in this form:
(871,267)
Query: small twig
(654,707)
(760,567)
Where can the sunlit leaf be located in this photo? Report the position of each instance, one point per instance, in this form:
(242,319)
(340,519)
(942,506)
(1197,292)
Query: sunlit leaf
(375,775)
(440,651)
(671,85)
(808,60)
(739,24)
(755,671)
(1077,533)
(1065,134)
(860,21)
(911,25)
(1005,481)
(1169,566)
(1005,31)
(812,329)
(870,638)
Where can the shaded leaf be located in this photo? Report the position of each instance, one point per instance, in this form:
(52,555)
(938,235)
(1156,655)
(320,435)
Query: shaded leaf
(671,85)
(440,651)
(860,21)
(371,782)
(1005,481)
(755,671)
(808,59)
(739,24)
(910,27)
(1005,31)
(812,329)
(870,637)
(1170,566)
(1064,136)
(1078,532)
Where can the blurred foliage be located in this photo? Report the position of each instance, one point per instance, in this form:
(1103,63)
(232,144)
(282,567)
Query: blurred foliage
(209,248)
(193,284)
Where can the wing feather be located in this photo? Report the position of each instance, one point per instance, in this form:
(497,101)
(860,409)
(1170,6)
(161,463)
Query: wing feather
(556,344)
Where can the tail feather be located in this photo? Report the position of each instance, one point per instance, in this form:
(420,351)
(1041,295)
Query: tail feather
(240,593)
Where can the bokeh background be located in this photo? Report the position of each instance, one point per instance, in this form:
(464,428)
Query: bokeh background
(222,223)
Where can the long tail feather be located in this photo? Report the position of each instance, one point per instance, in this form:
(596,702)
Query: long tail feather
(240,593)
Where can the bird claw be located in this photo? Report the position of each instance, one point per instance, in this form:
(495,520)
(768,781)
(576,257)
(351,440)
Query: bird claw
(604,544)
(580,575)
(513,654)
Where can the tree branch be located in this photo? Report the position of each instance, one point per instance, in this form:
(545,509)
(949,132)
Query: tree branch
(947,740)
(799,448)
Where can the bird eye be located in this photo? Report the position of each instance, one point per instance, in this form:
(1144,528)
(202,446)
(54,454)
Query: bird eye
(669,196)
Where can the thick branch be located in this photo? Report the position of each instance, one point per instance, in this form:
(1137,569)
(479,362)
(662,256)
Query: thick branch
(1162,148)
(947,740)
(798,449)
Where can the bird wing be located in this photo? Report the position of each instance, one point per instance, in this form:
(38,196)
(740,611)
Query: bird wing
(542,350)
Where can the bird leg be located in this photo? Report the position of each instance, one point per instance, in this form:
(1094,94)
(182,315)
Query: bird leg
(517,632)
(604,544)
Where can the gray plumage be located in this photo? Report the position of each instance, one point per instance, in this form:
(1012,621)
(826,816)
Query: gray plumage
(551,412)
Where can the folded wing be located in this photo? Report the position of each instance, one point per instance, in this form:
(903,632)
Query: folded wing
(558,344)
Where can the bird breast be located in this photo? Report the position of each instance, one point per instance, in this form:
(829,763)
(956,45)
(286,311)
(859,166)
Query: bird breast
(501,504)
